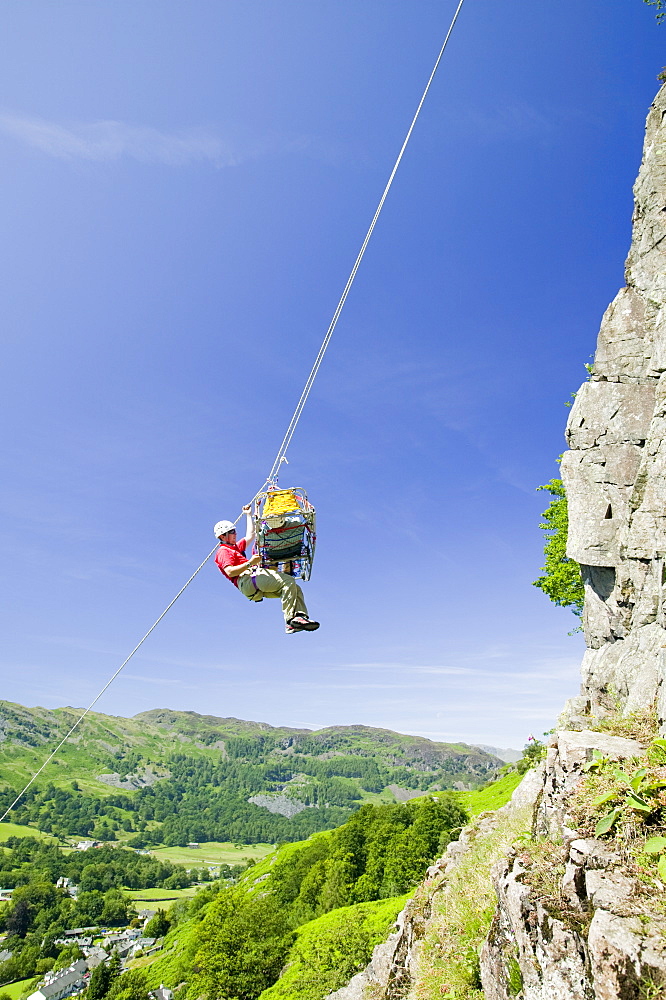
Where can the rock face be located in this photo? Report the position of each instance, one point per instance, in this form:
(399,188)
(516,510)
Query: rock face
(575,920)
(592,933)
(145,779)
(615,469)
(283,805)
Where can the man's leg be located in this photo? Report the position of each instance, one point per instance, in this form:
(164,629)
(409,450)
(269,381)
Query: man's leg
(272,583)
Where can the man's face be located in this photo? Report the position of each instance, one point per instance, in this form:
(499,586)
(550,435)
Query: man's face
(229,538)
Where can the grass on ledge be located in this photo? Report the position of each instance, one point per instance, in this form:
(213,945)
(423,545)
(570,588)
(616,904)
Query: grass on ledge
(494,796)
(462,912)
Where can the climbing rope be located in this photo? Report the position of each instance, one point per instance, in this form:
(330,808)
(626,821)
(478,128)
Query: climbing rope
(286,441)
(293,423)
(108,684)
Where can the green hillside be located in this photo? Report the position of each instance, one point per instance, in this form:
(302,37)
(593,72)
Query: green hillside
(167,777)
(302,921)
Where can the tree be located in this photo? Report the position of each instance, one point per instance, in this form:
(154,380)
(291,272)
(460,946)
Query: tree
(245,943)
(33,906)
(336,889)
(89,906)
(103,978)
(115,909)
(130,986)
(70,953)
(158,926)
(115,966)
(18,920)
(660,6)
(561,580)
(99,983)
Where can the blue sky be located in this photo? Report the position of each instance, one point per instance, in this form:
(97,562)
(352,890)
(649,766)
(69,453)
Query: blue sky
(185,190)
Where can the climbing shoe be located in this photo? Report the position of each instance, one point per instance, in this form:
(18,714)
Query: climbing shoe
(300,623)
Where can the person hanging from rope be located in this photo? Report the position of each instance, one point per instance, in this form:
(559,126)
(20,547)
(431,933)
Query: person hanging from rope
(255,581)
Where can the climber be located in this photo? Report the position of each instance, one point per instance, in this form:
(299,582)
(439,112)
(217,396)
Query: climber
(257,583)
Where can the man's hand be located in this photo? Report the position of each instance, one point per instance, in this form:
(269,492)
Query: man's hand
(249,524)
(233,571)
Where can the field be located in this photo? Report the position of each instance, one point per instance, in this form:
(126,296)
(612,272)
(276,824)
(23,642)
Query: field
(15,990)
(160,895)
(8,830)
(385,797)
(213,853)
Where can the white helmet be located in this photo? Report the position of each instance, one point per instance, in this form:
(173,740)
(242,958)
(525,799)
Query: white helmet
(223,528)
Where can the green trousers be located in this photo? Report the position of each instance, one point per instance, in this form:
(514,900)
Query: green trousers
(271,583)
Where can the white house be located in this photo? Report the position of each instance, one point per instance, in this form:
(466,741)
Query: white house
(63,983)
(163,993)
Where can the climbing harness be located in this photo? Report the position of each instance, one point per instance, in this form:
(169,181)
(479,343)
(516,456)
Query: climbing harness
(285,524)
(270,535)
(257,596)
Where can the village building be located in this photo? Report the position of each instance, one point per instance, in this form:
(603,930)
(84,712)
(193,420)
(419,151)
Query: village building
(163,993)
(83,942)
(94,956)
(63,983)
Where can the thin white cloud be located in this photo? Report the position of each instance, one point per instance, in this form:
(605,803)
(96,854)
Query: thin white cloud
(504,120)
(544,668)
(107,141)
(404,668)
(175,681)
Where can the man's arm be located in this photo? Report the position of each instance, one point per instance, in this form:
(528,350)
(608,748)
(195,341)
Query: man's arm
(249,524)
(234,571)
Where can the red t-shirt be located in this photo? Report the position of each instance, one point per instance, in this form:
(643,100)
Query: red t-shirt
(230,555)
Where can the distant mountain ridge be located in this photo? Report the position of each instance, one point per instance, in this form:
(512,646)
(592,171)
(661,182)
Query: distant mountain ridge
(105,736)
(177,775)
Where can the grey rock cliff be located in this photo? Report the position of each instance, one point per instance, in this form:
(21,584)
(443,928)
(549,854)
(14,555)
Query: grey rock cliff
(586,926)
(581,924)
(394,962)
(615,469)
(595,934)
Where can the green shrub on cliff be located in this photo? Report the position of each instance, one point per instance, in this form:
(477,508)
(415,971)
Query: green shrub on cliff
(660,6)
(382,851)
(244,944)
(561,580)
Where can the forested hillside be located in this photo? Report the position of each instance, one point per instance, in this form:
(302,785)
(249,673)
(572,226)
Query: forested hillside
(174,777)
(317,906)
(312,912)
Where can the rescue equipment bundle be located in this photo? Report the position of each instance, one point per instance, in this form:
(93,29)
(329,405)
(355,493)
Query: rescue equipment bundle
(286,535)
